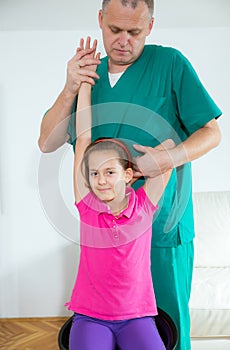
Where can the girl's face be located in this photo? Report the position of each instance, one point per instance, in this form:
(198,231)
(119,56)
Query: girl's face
(107,177)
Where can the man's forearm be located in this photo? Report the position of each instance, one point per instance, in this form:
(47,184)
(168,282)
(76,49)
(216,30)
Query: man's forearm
(53,132)
(155,161)
(197,145)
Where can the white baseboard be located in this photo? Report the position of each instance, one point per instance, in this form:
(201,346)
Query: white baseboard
(211,344)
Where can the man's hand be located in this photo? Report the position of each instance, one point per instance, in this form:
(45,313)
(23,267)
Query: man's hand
(82,66)
(155,161)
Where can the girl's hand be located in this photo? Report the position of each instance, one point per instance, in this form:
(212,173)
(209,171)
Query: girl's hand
(89,54)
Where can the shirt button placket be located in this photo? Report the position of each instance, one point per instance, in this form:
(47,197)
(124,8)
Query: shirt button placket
(115,230)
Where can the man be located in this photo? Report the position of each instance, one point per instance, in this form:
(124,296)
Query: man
(146,93)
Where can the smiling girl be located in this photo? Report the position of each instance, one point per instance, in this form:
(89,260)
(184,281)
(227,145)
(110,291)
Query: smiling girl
(113,296)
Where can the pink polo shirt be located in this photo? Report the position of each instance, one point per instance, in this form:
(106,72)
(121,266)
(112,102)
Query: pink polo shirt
(114,278)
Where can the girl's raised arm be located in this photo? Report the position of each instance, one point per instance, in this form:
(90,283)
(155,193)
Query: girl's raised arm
(154,187)
(83,134)
(83,126)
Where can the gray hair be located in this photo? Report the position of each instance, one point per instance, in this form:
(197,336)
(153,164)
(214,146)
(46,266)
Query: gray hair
(132,3)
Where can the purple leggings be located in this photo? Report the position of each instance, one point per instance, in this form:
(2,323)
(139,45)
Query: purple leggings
(92,334)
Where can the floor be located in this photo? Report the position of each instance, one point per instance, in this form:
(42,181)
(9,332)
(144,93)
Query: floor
(38,334)
(30,334)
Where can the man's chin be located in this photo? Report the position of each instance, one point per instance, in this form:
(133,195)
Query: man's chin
(121,60)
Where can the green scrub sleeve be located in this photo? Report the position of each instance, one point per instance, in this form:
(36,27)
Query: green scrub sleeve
(195,105)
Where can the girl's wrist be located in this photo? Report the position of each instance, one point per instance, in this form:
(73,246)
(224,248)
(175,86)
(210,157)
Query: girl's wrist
(86,86)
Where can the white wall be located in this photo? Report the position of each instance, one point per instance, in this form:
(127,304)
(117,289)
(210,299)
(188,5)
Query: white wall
(38,256)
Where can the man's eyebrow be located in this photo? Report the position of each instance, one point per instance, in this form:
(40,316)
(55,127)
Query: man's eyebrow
(120,29)
(114,27)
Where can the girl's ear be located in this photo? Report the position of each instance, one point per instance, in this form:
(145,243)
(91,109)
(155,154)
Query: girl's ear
(128,175)
(100,15)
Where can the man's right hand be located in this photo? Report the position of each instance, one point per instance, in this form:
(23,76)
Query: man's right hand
(82,67)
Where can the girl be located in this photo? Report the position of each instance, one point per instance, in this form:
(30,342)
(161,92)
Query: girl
(113,297)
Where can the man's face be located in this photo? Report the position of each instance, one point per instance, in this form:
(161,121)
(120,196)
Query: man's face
(124,31)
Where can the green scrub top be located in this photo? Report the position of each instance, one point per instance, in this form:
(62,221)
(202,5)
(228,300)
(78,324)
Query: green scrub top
(159,96)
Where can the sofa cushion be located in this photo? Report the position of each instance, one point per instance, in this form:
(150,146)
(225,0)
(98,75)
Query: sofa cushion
(210,296)
(212,228)
(210,302)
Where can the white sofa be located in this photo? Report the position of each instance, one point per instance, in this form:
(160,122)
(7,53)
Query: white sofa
(210,297)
